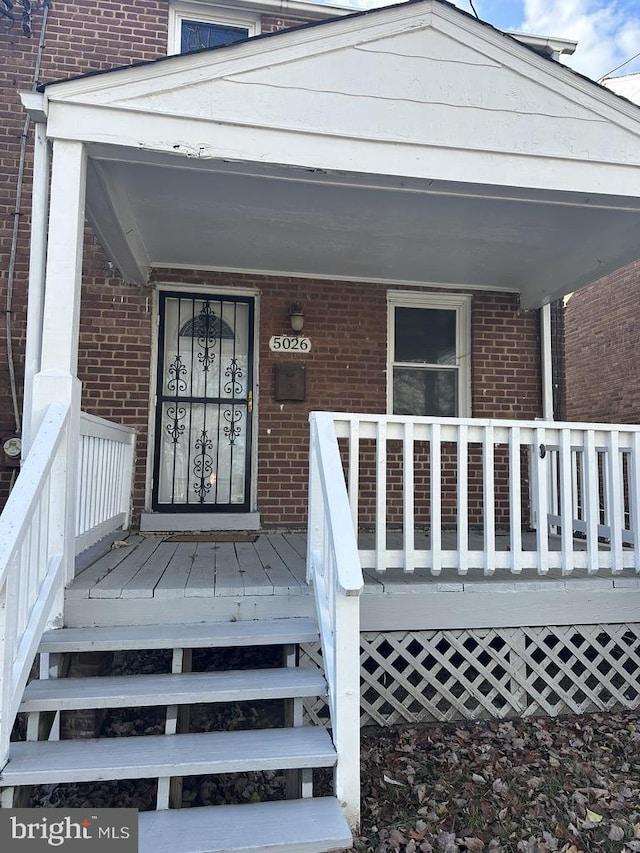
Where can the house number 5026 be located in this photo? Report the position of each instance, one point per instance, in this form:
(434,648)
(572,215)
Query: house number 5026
(289,343)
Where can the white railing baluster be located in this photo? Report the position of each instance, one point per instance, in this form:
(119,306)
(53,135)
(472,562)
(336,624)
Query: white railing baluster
(566,500)
(381,497)
(436,500)
(354,469)
(592,503)
(488,501)
(515,500)
(542,491)
(315,518)
(616,506)
(462,521)
(408,520)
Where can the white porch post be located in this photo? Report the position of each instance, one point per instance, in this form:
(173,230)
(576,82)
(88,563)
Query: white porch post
(57,380)
(37,260)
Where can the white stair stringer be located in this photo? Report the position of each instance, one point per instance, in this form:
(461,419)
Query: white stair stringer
(307,825)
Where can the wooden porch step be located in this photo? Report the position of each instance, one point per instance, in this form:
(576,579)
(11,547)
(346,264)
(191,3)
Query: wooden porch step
(55,762)
(132,691)
(199,635)
(286,826)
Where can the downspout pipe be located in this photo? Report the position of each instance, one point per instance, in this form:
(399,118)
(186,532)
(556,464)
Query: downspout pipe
(16,228)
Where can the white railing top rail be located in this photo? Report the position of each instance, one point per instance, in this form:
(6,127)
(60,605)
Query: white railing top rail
(101,428)
(342,536)
(449,426)
(26,493)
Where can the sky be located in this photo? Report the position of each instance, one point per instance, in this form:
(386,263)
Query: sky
(607,31)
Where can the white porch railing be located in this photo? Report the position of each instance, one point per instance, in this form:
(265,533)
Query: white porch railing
(32,561)
(36,554)
(333,566)
(449,477)
(104,479)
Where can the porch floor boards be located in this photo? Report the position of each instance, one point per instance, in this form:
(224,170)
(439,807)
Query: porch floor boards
(152,580)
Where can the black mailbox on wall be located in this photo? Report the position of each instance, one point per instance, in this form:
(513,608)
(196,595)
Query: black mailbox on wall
(290,382)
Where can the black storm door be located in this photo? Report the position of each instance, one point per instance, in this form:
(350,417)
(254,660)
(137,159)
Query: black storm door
(204,403)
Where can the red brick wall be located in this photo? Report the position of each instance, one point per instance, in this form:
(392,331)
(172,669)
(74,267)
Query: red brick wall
(272,23)
(346,371)
(602,350)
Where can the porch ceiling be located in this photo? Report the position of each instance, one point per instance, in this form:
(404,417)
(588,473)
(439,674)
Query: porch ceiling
(159,210)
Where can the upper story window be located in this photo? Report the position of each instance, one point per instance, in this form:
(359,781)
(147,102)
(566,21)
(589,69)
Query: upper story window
(195,35)
(197,24)
(429,354)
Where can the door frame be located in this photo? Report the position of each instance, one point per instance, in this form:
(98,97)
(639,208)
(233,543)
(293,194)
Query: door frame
(197,519)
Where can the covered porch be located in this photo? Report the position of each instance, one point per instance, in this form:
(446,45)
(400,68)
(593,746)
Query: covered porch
(347,181)
(457,566)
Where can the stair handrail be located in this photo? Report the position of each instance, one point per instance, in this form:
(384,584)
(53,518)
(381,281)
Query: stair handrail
(32,546)
(333,567)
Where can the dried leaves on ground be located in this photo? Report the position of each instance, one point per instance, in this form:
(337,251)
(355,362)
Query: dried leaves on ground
(569,785)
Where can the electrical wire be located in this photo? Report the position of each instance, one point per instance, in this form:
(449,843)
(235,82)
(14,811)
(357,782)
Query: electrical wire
(618,67)
(474,9)
(16,228)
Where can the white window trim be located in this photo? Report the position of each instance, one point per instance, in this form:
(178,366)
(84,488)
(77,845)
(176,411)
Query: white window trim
(207,13)
(462,306)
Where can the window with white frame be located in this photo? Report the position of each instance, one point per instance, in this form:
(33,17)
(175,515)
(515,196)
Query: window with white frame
(198,24)
(429,355)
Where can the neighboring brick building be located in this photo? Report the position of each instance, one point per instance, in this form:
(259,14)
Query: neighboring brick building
(409,347)
(602,350)
(602,333)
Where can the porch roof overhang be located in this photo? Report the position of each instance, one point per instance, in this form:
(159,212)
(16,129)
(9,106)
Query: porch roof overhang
(413,144)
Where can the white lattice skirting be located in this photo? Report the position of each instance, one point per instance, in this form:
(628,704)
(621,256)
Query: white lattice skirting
(427,676)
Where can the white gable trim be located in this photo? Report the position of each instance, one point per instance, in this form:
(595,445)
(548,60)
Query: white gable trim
(287,46)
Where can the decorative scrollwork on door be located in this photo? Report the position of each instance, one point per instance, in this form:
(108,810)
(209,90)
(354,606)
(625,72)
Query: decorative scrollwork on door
(203,466)
(207,328)
(232,430)
(234,373)
(175,428)
(175,376)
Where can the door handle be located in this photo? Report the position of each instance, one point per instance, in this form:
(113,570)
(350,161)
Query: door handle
(250,402)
